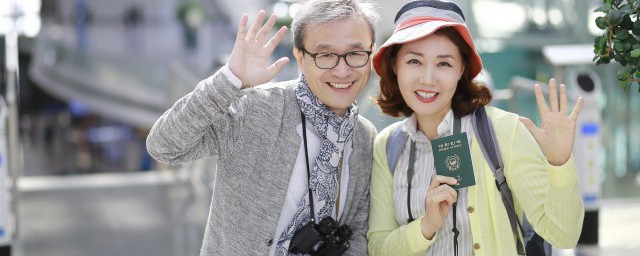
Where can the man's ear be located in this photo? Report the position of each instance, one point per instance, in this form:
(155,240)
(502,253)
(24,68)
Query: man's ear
(298,54)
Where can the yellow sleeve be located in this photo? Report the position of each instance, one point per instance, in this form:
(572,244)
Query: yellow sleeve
(385,236)
(549,195)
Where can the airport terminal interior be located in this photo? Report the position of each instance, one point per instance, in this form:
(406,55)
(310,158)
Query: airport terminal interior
(83,81)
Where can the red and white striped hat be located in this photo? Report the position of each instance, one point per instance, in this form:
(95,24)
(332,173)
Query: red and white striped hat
(419,19)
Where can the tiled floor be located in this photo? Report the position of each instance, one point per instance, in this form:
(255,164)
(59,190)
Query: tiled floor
(109,215)
(153,214)
(619,231)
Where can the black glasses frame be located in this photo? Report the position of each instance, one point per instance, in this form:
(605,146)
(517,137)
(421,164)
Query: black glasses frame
(340,56)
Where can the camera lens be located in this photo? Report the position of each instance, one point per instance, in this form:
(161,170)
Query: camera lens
(327,226)
(305,239)
(344,232)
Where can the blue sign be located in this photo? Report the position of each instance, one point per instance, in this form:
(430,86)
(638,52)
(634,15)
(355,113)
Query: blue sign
(590,198)
(590,129)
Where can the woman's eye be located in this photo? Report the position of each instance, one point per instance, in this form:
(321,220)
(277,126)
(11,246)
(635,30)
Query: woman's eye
(413,62)
(444,64)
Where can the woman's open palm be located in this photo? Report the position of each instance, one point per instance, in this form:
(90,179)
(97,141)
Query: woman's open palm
(556,134)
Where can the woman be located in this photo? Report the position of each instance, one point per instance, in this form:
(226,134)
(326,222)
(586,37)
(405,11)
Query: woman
(426,70)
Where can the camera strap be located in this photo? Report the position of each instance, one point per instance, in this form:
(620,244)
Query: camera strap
(456,232)
(306,155)
(339,186)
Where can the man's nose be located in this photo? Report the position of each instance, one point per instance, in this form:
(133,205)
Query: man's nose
(342,69)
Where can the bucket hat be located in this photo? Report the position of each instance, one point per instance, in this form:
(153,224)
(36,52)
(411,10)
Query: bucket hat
(418,19)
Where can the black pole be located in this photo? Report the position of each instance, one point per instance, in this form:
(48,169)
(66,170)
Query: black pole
(5,250)
(589,235)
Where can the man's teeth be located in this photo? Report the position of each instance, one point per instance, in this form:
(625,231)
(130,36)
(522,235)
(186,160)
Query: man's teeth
(426,95)
(339,86)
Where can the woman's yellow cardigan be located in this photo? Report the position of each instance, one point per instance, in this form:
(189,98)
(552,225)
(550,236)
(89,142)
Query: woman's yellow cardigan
(549,195)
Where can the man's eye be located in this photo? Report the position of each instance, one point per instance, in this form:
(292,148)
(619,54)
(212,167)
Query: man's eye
(325,55)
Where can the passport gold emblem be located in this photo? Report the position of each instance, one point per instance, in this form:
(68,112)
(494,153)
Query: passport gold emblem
(452,162)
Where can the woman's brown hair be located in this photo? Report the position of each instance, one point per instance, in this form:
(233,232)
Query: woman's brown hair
(469,94)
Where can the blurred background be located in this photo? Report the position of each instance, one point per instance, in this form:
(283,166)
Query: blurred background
(82,82)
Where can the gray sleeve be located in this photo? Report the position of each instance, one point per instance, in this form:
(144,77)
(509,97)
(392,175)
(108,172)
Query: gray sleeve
(360,226)
(199,124)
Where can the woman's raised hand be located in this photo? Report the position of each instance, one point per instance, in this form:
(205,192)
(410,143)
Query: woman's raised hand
(556,134)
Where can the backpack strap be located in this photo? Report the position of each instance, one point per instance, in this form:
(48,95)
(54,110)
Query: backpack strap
(483,128)
(395,144)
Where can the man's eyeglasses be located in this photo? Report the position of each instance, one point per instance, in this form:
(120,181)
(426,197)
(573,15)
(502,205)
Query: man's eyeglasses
(329,60)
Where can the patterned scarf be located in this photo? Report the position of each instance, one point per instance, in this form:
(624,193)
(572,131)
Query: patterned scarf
(335,131)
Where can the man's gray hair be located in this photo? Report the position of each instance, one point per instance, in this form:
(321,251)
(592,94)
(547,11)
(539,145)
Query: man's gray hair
(327,11)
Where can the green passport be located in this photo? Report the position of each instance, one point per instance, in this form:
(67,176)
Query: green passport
(452,158)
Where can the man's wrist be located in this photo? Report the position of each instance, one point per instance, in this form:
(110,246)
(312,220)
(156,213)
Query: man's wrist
(231,76)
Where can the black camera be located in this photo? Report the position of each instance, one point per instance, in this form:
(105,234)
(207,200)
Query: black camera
(324,238)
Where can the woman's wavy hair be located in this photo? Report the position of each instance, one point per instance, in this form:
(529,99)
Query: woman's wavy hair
(468,96)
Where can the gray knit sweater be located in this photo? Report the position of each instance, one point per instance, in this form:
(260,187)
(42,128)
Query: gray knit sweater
(253,133)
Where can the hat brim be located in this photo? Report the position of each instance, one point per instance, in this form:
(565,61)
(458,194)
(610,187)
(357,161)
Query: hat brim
(422,30)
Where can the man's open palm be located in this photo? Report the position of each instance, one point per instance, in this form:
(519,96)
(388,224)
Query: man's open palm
(251,54)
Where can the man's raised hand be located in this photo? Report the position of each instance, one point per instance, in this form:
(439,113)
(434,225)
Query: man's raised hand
(249,60)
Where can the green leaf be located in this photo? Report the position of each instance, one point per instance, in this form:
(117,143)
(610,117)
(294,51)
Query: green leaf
(596,40)
(636,24)
(625,8)
(606,7)
(626,86)
(601,23)
(626,22)
(622,34)
(621,74)
(615,17)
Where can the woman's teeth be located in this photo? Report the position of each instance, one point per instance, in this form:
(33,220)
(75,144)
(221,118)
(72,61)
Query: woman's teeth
(426,95)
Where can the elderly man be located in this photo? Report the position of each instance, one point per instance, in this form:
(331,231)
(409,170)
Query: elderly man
(294,158)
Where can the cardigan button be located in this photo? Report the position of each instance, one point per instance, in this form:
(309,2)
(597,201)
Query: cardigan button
(269,242)
(470,209)
(476,246)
